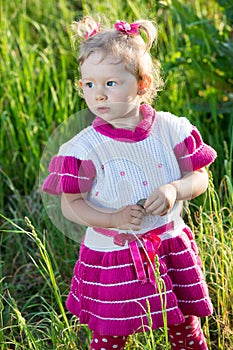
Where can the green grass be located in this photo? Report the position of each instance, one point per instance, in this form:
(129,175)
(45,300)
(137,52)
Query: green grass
(38,71)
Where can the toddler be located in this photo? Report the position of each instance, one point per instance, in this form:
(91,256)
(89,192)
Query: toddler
(125,177)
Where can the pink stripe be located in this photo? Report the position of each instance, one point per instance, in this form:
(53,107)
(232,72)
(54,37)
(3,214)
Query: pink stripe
(190,144)
(106,231)
(103,268)
(142,130)
(56,185)
(193,153)
(69,175)
(161,229)
(73,166)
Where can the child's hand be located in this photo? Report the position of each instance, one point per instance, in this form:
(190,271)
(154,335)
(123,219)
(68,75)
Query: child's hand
(128,218)
(161,200)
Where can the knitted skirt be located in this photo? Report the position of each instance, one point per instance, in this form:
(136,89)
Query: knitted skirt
(106,294)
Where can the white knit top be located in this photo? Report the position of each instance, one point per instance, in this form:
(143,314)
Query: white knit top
(126,168)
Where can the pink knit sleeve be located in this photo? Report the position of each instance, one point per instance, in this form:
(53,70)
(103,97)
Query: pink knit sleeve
(192,153)
(69,175)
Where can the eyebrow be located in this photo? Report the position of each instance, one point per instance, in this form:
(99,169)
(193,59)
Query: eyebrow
(106,78)
(87,78)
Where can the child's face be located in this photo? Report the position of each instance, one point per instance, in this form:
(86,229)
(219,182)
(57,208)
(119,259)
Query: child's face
(110,91)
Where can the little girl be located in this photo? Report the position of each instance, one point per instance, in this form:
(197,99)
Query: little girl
(125,177)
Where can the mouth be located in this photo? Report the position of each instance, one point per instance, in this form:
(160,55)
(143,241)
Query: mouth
(103,109)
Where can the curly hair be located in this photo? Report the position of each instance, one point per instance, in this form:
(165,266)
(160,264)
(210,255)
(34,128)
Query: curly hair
(132,50)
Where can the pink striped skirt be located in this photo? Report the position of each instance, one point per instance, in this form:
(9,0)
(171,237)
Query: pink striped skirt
(106,295)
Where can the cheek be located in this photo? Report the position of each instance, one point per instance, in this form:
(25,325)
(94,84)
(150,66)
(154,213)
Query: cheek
(87,95)
(132,91)
(123,96)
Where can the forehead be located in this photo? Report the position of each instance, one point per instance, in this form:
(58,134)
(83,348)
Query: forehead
(104,63)
(101,56)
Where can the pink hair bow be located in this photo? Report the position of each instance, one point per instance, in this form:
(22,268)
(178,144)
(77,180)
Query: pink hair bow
(125,27)
(93,32)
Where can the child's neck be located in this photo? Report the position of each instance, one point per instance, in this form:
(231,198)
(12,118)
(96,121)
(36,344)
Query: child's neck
(129,123)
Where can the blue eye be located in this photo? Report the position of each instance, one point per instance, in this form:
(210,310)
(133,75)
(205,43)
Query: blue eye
(111,83)
(90,84)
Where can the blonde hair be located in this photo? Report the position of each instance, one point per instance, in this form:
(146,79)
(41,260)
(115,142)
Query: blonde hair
(132,50)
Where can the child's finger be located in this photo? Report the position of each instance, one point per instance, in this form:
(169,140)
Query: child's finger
(160,210)
(153,206)
(135,227)
(137,210)
(136,221)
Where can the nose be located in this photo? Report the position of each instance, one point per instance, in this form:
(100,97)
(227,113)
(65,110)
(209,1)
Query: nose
(100,95)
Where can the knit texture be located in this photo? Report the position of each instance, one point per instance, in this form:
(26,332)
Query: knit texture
(117,167)
(106,294)
(193,153)
(69,175)
(116,173)
(142,130)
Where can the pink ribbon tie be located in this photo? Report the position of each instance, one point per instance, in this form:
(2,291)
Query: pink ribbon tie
(149,244)
(146,244)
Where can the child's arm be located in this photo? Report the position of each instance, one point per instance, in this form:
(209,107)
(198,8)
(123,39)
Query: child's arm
(191,185)
(76,208)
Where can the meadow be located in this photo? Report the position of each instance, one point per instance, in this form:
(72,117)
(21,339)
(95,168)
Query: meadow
(38,72)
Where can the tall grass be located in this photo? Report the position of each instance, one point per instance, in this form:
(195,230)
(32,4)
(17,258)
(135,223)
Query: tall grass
(37,94)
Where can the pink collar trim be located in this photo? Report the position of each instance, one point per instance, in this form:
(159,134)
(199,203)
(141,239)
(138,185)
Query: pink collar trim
(141,132)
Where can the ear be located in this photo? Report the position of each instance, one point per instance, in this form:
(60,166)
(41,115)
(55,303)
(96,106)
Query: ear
(144,84)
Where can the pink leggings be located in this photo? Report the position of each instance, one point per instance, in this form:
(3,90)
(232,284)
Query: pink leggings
(186,336)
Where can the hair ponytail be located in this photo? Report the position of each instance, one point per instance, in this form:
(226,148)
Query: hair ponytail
(85,28)
(150,31)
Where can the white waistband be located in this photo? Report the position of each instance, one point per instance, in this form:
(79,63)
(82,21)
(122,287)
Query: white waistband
(100,242)
(178,227)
